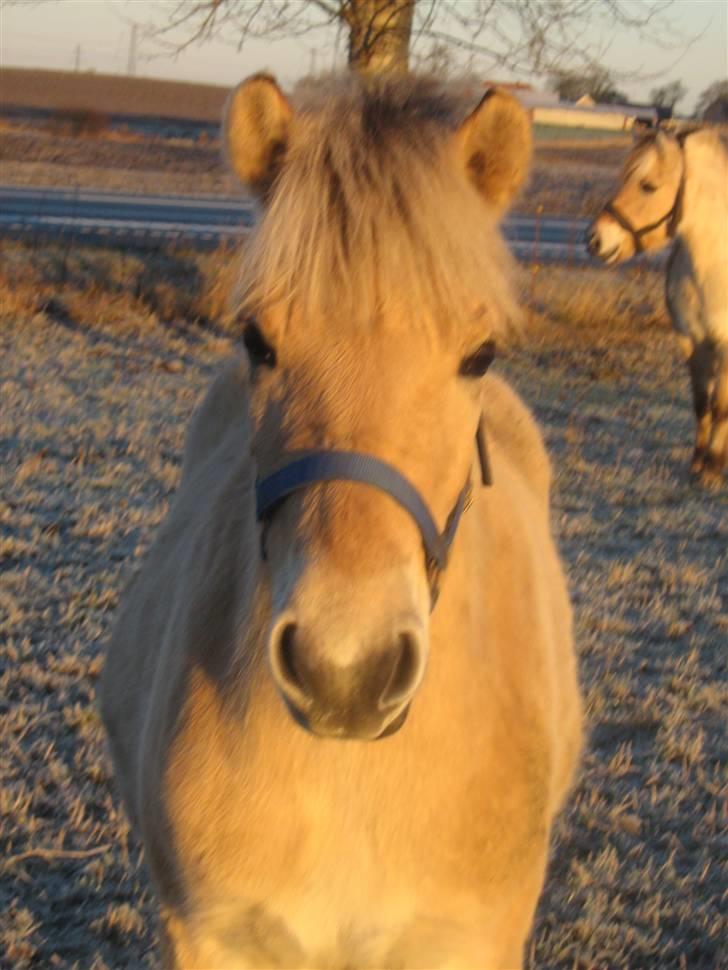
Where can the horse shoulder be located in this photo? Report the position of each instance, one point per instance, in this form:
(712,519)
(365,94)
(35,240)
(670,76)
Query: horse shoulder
(716,294)
(697,296)
(515,434)
(225,404)
(702,249)
(682,293)
(518,445)
(181,595)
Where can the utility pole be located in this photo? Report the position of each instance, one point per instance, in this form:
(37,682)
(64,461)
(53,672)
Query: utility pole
(312,63)
(77,59)
(131,65)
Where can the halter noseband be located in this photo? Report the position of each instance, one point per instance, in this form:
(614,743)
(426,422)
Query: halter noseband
(354,466)
(671,217)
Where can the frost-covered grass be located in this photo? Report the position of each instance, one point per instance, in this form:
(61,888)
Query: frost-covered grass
(97,381)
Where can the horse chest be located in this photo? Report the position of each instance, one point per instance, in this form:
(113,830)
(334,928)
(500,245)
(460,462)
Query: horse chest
(683,294)
(311,931)
(296,859)
(321,882)
(696,300)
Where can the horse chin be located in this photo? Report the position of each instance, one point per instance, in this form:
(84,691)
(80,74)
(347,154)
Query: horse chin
(394,725)
(325,728)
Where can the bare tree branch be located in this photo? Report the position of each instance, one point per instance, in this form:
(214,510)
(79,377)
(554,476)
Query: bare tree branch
(523,36)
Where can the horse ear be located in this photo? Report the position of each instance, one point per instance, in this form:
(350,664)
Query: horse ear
(495,144)
(256,126)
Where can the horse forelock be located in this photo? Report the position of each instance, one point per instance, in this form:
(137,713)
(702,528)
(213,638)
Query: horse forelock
(373,218)
(639,157)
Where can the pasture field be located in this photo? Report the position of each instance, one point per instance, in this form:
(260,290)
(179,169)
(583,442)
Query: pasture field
(568,179)
(103,356)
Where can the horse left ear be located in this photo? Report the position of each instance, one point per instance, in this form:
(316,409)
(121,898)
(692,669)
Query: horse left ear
(495,144)
(665,142)
(257,123)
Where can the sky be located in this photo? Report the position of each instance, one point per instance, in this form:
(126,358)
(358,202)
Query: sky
(54,33)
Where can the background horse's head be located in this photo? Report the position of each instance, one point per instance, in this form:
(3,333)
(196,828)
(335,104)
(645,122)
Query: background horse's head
(371,293)
(644,211)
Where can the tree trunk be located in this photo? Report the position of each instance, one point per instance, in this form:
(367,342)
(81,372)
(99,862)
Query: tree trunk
(379,34)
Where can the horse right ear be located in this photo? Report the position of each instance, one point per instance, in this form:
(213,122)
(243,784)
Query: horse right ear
(256,127)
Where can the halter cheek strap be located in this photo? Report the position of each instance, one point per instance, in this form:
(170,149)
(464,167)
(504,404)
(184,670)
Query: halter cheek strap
(353,466)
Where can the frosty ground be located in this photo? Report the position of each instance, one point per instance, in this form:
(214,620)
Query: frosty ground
(101,365)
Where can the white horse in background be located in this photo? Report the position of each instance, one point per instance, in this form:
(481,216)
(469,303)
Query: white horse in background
(674,188)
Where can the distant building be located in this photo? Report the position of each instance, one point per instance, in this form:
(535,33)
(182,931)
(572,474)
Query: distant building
(587,114)
(548,110)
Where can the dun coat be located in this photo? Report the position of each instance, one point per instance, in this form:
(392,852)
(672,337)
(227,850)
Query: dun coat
(324,771)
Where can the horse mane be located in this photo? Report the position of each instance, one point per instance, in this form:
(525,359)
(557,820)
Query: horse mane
(709,140)
(706,194)
(373,217)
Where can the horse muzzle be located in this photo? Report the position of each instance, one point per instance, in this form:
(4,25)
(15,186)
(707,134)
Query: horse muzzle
(366,698)
(602,244)
(592,240)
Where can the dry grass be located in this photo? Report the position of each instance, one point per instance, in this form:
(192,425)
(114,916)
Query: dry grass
(574,191)
(115,162)
(570,188)
(95,400)
(600,308)
(121,290)
(573,178)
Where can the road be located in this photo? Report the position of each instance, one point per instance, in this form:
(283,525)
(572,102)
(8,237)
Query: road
(206,221)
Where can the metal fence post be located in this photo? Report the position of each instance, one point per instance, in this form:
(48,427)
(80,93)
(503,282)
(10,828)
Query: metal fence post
(534,263)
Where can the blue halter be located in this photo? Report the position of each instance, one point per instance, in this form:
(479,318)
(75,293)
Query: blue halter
(354,466)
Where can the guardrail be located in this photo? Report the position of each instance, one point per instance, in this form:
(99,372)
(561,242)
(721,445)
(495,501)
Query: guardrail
(205,221)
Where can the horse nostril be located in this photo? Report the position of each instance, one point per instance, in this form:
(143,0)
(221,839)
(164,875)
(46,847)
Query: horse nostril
(406,673)
(287,655)
(287,668)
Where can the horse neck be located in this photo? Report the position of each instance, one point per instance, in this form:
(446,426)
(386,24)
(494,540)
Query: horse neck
(704,217)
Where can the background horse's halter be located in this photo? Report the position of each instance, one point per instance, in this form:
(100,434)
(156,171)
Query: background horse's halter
(670,217)
(354,466)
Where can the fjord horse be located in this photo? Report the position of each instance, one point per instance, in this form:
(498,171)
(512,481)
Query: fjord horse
(674,189)
(341,695)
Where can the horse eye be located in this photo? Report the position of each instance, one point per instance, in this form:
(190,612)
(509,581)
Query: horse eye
(648,187)
(478,363)
(259,350)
